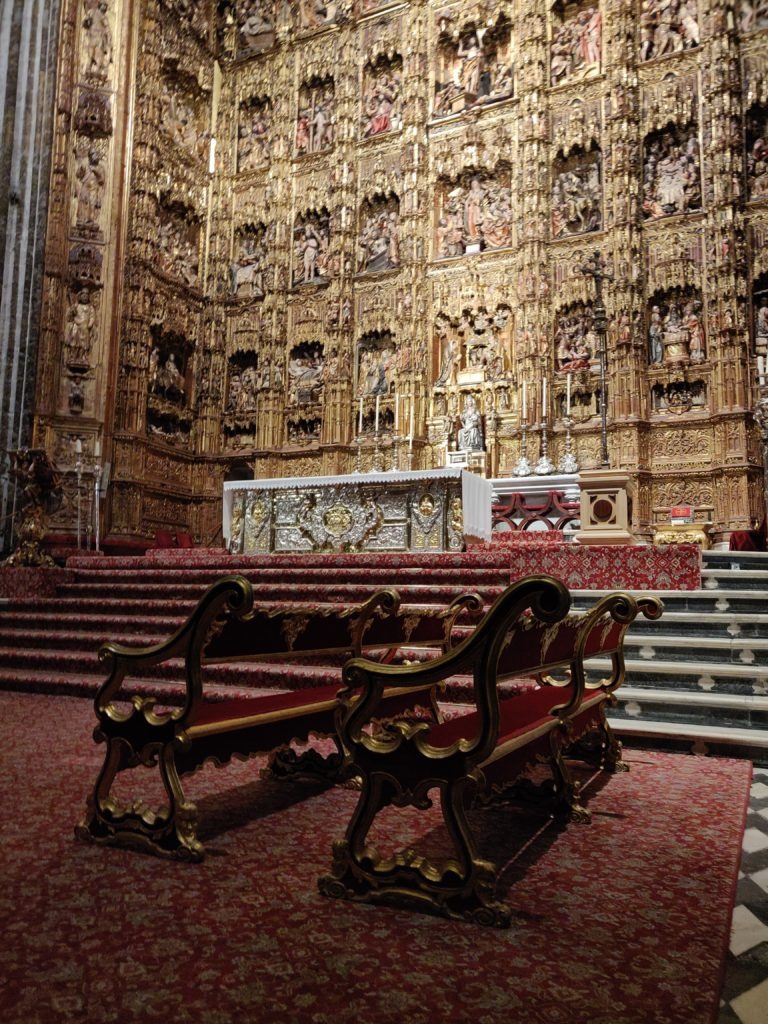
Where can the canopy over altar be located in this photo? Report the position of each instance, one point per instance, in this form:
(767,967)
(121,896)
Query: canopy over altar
(424,510)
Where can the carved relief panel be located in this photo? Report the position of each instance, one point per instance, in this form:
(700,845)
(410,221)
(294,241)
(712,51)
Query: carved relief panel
(668,26)
(311,244)
(576,46)
(671,173)
(576,194)
(473,214)
(378,239)
(254,134)
(676,333)
(255,26)
(475,63)
(315,118)
(382,102)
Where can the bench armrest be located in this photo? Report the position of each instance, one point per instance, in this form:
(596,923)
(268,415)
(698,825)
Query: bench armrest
(231,596)
(548,601)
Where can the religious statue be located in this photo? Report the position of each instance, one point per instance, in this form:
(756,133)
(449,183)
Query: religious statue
(382,101)
(256,30)
(668,26)
(576,196)
(314,123)
(761,327)
(675,336)
(474,214)
(253,149)
(655,333)
(246,270)
(575,340)
(474,68)
(378,242)
(90,177)
(97,39)
(311,246)
(170,380)
(672,176)
(576,48)
(470,434)
(305,372)
(757,155)
(79,330)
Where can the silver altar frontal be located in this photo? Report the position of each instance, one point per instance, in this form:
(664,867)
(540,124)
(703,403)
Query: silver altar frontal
(427,510)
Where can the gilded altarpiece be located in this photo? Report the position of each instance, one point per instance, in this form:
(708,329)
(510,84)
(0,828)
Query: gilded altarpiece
(298,240)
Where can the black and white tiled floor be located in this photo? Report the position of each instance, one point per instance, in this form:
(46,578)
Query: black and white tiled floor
(745,992)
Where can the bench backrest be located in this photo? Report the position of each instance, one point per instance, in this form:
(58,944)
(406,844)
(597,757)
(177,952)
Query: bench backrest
(527,631)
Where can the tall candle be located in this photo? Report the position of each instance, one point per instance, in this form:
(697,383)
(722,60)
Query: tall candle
(543,399)
(410,431)
(760,369)
(525,402)
(568,394)
(360,417)
(78,447)
(97,448)
(376,423)
(397,411)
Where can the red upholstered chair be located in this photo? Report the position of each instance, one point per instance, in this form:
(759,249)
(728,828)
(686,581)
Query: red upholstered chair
(164,539)
(749,540)
(185,540)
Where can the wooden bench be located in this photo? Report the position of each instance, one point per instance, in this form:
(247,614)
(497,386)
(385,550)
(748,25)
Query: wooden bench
(228,626)
(484,753)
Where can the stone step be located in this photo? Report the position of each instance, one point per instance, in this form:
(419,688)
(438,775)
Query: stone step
(728,579)
(693,677)
(748,651)
(695,737)
(693,624)
(675,705)
(730,559)
(747,601)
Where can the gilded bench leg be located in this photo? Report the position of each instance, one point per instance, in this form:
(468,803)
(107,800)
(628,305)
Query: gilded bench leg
(285,765)
(168,832)
(462,887)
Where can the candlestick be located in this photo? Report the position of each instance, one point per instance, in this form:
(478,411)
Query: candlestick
(376,422)
(525,402)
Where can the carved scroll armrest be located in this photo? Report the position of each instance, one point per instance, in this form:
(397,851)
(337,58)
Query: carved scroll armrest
(231,596)
(366,681)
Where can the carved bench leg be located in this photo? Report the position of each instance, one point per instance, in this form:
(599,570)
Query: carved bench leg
(285,765)
(599,746)
(460,887)
(167,832)
(567,796)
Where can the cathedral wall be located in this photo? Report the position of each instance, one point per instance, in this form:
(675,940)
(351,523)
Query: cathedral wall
(334,229)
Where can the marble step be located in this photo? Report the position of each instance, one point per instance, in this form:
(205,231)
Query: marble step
(727,625)
(695,737)
(657,703)
(748,601)
(693,677)
(740,650)
(729,579)
(729,559)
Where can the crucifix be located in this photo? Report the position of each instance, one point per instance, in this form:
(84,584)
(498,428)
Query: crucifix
(595,268)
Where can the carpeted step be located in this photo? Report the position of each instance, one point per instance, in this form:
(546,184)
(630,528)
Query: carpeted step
(112,626)
(378,575)
(350,593)
(76,639)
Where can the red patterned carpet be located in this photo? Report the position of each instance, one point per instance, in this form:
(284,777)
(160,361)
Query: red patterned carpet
(620,922)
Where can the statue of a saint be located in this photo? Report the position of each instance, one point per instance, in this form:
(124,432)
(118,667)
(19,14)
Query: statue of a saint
(470,435)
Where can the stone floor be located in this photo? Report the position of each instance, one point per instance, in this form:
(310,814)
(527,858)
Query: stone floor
(745,992)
